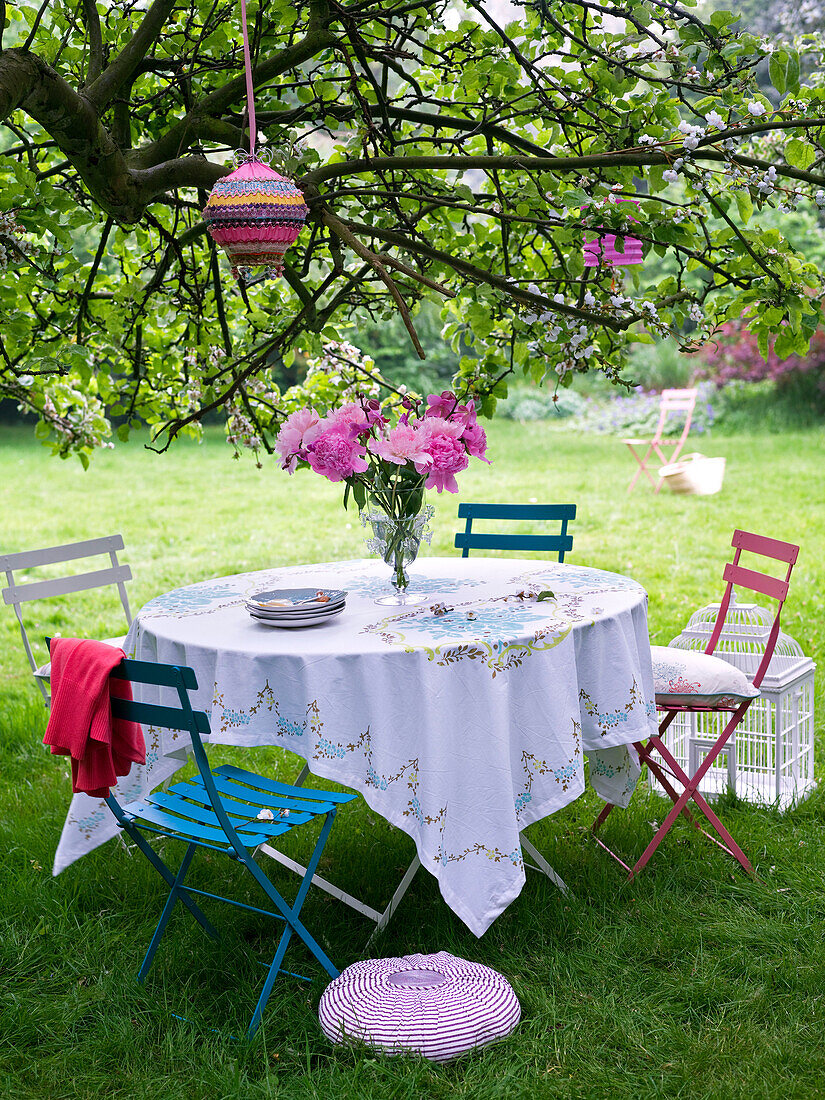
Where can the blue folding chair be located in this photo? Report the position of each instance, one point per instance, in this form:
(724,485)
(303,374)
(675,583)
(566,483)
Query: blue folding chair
(218,810)
(560,543)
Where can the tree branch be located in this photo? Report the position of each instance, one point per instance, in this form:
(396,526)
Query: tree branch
(340,230)
(92,21)
(489,277)
(101,93)
(214,104)
(28,82)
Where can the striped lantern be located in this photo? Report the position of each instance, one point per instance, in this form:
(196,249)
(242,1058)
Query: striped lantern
(601,248)
(255,214)
(439,1006)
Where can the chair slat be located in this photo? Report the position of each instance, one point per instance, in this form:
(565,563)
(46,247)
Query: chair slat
(274,787)
(146,814)
(147,672)
(53,555)
(153,714)
(226,787)
(756,582)
(236,808)
(517,511)
(767,547)
(247,821)
(481,541)
(63,586)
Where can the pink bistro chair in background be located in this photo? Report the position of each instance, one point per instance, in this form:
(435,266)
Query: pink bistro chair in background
(673,401)
(729,696)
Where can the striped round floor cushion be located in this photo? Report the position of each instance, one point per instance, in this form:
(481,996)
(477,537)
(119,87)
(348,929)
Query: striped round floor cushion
(437,1005)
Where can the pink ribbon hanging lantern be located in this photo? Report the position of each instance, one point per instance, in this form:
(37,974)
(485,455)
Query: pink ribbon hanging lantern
(601,248)
(254,213)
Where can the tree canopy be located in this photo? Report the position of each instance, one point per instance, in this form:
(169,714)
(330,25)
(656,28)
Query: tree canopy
(442,156)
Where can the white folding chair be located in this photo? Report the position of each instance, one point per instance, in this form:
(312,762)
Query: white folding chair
(381,919)
(18,593)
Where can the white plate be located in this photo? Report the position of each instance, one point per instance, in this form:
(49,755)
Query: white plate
(302,599)
(284,613)
(291,623)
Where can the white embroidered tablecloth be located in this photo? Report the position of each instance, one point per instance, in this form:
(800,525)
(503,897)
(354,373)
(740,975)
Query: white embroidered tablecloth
(461,728)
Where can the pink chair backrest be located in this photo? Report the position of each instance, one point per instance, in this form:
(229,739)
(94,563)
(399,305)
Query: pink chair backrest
(675,401)
(756,581)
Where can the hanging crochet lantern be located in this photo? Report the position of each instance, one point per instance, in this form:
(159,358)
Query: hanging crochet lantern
(601,248)
(255,214)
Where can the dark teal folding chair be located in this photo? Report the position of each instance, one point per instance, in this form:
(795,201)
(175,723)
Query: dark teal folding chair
(218,810)
(560,543)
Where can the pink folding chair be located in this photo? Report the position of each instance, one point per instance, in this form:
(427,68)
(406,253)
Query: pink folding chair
(673,401)
(655,753)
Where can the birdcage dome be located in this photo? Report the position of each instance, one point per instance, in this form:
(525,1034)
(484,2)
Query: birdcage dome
(743,641)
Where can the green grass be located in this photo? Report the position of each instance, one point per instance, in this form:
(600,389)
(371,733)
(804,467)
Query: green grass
(692,982)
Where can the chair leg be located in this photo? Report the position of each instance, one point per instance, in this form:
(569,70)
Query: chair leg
(174,894)
(395,900)
(291,915)
(168,877)
(691,792)
(691,786)
(645,757)
(642,467)
(543,866)
(269,982)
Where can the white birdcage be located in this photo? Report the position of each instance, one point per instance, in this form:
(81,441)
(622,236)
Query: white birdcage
(769,758)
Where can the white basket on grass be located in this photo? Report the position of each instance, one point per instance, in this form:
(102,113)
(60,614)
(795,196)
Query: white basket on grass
(694,473)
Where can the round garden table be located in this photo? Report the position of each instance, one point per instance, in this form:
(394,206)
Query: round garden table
(460,720)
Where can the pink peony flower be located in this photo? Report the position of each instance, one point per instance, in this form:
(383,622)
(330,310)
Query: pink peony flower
(466,413)
(475,440)
(349,419)
(403,444)
(297,431)
(448,455)
(442,404)
(336,455)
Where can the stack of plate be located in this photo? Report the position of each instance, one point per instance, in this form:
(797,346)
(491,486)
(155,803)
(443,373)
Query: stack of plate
(295,607)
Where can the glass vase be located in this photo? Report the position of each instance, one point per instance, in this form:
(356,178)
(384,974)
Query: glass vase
(398,519)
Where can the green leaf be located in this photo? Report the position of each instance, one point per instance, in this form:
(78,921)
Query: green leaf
(745,204)
(799,154)
(784,71)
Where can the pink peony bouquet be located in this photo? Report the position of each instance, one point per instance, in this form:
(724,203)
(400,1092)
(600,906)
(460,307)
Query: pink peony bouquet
(428,445)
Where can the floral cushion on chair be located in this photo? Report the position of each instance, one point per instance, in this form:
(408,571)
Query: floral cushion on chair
(685,678)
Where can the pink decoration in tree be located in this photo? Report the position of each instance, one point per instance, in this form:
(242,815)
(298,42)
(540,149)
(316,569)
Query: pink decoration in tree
(610,249)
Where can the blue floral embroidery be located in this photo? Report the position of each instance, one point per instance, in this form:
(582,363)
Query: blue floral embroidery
(291,729)
(325,747)
(522,801)
(91,820)
(488,623)
(598,766)
(195,597)
(574,576)
(235,718)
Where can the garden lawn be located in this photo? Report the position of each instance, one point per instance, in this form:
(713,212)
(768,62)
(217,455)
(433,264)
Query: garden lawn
(692,982)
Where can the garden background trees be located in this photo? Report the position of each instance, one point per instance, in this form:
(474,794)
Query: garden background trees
(444,157)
